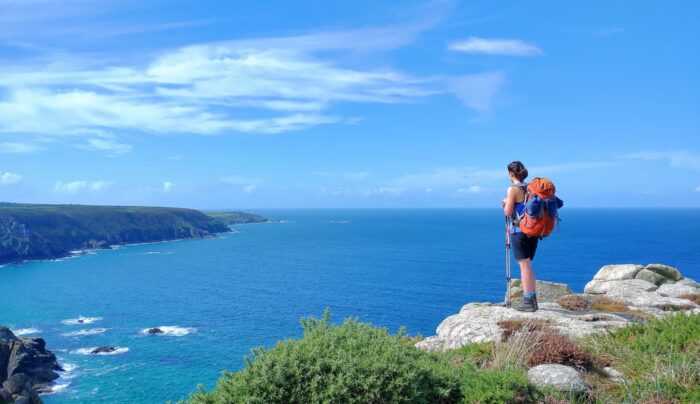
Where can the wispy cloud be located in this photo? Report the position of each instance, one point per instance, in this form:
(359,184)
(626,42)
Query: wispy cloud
(680,158)
(111,146)
(8,178)
(346,176)
(505,47)
(168,186)
(697,189)
(478,91)
(247,185)
(72,187)
(18,148)
(261,85)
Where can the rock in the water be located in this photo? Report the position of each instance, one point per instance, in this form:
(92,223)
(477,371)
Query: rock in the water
(154,330)
(617,272)
(665,270)
(103,349)
(25,364)
(558,377)
(546,291)
(620,288)
(651,277)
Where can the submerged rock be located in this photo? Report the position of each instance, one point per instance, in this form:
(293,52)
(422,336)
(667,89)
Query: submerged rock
(558,377)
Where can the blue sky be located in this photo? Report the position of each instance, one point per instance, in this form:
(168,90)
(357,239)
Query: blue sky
(347,104)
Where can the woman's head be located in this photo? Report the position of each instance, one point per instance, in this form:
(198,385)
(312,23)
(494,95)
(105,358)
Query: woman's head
(518,170)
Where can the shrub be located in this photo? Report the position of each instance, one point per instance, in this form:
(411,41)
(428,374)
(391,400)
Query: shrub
(555,347)
(358,363)
(525,325)
(574,302)
(607,304)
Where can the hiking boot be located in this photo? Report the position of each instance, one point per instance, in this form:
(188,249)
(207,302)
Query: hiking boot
(527,304)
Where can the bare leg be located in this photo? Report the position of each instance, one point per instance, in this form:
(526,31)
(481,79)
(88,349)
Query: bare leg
(527,274)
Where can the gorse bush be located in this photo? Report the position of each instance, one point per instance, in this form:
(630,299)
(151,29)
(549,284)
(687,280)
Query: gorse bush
(358,363)
(574,302)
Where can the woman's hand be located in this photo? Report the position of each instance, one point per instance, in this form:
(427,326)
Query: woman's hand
(503,202)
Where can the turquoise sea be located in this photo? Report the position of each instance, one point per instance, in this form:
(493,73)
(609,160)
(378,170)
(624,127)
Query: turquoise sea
(221,297)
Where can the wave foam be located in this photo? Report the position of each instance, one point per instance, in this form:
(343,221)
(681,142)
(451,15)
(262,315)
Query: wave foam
(25,331)
(87,331)
(88,351)
(81,320)
(171,330)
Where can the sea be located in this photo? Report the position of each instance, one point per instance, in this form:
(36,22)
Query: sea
(216,299)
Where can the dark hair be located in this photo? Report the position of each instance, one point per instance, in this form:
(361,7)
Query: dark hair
(518,170)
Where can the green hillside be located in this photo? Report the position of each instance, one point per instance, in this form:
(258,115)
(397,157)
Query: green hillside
(29,231)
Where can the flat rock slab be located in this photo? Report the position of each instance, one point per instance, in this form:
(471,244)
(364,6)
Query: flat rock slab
(558,377)
(478,322)
(546,291)
(617,272)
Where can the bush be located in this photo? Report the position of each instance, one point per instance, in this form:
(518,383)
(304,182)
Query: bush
(554,347)
(358,363)
(574,303)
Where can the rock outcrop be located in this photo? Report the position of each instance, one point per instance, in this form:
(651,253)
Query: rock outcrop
(617,295)
(546,291)
(26,367)
(558,377)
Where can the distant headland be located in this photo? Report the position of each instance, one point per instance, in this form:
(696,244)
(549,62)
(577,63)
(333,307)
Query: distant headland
(34,231)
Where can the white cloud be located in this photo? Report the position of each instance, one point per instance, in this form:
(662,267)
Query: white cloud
(167,186)
(682,159)
(100,185)
(248,189)
(478,91)
(347,176)
(507,47)
(474,189)
(72,187)
(110,146)
(18,148)
(8,178)
(262,85)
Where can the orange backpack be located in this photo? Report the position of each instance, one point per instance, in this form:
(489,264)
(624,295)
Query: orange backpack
(541,208)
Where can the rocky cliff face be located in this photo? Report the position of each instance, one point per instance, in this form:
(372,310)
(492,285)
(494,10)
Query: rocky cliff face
(27,368)
(617,295)
(51,231)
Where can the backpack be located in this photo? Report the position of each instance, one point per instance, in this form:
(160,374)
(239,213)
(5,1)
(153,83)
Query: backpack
(541,209)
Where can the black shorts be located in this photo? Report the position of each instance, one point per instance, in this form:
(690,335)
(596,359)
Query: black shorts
(523,245)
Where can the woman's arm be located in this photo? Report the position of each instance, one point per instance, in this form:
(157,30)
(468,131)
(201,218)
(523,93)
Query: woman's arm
(509,202)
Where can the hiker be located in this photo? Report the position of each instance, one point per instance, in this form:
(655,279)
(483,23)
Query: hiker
(523,246)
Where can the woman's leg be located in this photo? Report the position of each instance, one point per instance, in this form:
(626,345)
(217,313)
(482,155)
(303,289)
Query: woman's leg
(527,275)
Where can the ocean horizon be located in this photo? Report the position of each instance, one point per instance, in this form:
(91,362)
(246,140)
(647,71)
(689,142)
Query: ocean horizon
(218,298)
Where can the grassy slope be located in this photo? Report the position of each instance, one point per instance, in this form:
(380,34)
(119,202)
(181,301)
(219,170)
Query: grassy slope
(356,362)
(30,231)
(235,217)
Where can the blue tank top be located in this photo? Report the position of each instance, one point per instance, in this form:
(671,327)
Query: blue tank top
(519,209)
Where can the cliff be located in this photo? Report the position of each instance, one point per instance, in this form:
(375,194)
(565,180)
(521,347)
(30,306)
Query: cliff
(29,231)
(26,368)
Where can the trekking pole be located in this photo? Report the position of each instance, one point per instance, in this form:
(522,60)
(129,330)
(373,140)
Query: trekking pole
(508,224)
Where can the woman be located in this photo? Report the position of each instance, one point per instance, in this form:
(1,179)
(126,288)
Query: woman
(523,246)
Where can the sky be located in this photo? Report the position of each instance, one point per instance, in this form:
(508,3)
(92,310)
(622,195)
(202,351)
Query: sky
(362,104)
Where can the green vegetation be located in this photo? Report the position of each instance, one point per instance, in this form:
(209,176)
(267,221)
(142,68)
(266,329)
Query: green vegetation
(356,362)
(30,231)
(235,217)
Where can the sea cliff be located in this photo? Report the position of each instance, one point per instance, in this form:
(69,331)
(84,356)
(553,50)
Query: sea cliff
(29,231)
